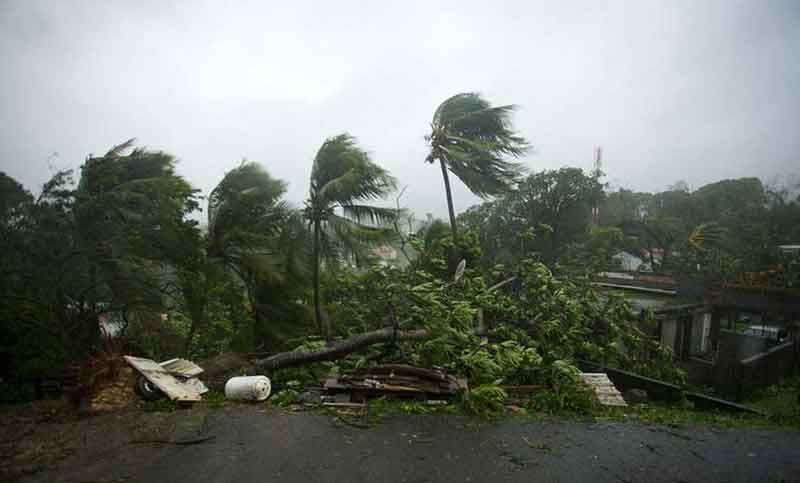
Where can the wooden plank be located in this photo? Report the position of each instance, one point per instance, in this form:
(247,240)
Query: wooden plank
(604,389)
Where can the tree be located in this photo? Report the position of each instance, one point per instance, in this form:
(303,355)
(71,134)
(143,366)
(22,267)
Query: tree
(43,306)
(561,199)
(247,224)
(245,218)
(548,211)
(657,233)
(343,179)
(471,139)
(12,196)
(132,224)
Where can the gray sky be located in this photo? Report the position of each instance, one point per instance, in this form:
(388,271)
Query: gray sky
(693,90)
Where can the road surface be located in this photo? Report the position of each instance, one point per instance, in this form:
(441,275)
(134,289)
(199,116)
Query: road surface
(262,444)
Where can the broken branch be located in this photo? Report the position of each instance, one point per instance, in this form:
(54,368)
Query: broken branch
(340,349)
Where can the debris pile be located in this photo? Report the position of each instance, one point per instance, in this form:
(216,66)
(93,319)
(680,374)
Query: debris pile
(396,380)
(176,378)
(117,394)
(220,368)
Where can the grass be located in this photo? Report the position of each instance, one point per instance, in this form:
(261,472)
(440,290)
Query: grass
(677,414)
(780,401)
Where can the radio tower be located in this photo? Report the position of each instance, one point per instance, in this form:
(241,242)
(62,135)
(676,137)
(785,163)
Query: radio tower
(597,173)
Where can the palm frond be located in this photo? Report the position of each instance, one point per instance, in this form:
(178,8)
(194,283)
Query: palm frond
(117,150)
(353,239)
(371,214)
(247,196)
(344,173)
(474,139)
(707,236)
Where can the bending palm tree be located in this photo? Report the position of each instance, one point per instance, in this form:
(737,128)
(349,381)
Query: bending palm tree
(245,218)
(342,179)
(253,234)
(470,138)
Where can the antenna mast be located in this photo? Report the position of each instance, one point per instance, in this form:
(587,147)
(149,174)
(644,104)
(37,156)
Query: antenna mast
(598,164)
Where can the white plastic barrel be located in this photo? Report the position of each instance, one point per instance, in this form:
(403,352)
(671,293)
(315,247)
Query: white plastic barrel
(248,388)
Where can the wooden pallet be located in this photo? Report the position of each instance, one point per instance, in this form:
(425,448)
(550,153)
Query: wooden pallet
(606,392)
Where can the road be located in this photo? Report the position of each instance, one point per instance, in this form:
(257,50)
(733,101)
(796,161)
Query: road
(262,444)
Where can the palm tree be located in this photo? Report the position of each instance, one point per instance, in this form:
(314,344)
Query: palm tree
(252,237)
(471,138)
(343,178)
(245,218)
(707,236)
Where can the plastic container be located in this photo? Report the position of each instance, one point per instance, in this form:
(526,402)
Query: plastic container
(248,388)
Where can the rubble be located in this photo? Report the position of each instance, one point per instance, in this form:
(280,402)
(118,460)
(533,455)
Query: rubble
(175,385)
(117,394)
(397,380)
(220,368)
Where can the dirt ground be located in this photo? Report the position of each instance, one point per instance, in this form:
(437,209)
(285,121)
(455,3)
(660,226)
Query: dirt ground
(249,443)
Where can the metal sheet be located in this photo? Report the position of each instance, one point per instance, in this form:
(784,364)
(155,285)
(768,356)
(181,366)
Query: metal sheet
(182,367)
(171,386)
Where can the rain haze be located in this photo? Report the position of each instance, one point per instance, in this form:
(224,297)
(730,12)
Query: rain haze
(695,91)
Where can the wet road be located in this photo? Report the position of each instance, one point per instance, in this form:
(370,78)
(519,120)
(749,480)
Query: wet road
(253,444)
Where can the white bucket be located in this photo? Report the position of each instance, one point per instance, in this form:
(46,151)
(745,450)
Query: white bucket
(248,388)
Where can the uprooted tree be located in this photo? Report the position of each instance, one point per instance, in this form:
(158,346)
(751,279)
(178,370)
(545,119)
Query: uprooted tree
(533,330)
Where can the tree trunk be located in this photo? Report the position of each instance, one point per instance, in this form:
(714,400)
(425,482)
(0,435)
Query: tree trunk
(449,194)
(324,330)
(339,349)
(347,346)
(453,256)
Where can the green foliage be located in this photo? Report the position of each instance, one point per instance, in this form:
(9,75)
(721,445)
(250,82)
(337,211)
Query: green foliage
(565,399)
(245,217)
(536,332)
(781,401)
(343,178)
(473,138)
(104,249)
(686,415)
(486,401)
(284,397)
(546,212)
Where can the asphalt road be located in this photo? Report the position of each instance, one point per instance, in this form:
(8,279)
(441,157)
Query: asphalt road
(257,444)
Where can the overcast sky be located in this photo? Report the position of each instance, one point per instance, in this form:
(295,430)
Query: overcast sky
(694,90)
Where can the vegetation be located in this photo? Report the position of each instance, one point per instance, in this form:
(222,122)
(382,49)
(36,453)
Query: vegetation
(118,261)
(343,178)
(470,138)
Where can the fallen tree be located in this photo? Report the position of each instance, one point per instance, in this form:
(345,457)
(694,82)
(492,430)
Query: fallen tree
(343,348)
(339,349)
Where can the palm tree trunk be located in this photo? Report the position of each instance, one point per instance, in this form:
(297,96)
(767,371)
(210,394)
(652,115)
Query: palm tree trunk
(453,258)
(449,194)
(315,281)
